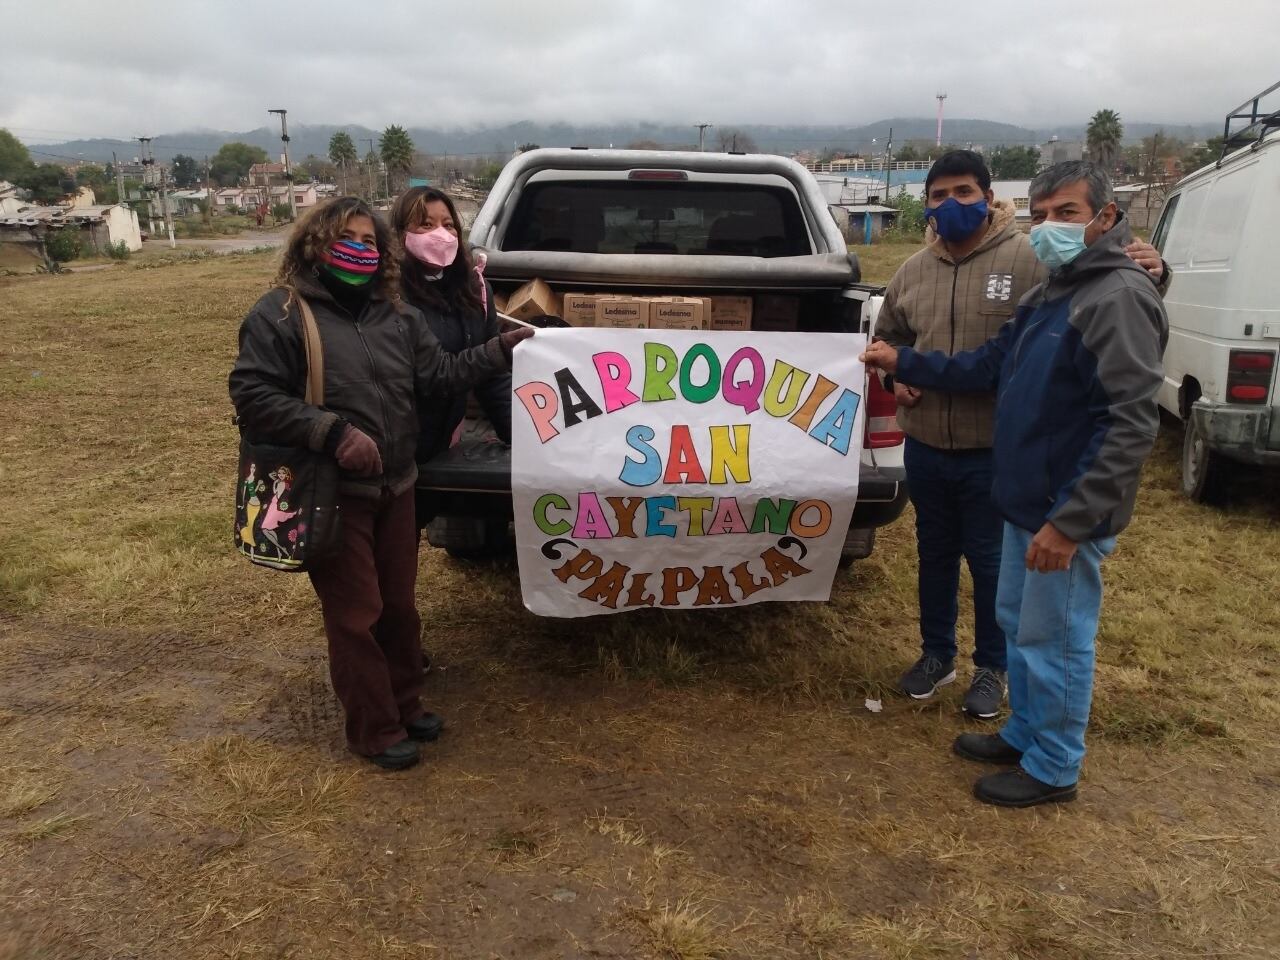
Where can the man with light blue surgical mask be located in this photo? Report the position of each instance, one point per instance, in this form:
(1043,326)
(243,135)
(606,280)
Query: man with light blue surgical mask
(1076,371)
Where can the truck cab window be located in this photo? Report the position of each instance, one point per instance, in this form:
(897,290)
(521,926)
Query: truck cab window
(620,216)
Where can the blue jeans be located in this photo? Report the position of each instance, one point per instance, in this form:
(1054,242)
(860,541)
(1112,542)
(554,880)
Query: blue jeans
(951,491)
(1051,620)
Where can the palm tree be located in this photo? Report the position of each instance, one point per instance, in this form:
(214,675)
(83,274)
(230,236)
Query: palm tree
(342,151)
(397,151)
(1103,136)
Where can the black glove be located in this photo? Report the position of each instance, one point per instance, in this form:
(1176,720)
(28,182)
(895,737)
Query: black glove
(510,338)
(358,453)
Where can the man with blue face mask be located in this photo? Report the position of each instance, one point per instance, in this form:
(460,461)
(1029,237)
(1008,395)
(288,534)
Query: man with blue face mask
(953,295)
(1076,372)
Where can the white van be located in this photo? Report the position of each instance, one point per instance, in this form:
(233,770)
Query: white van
(1218,233)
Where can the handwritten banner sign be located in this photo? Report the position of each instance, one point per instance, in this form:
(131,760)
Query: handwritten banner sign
(680,469)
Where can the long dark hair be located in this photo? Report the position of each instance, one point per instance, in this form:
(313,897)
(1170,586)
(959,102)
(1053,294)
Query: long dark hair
(317,230)
(458,289)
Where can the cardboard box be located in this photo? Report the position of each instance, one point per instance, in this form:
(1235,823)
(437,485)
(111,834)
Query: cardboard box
(534,299)
(677,313)
(619,311)
(776,312)
(730,313)
(499,302)
(580,309)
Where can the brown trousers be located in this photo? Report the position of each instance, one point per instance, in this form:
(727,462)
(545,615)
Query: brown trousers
(366,592)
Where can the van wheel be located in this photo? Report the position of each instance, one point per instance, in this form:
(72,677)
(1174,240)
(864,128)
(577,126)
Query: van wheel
(1203,469)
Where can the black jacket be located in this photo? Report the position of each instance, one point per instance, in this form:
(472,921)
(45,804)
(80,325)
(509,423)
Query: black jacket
(440,418)
(379,367)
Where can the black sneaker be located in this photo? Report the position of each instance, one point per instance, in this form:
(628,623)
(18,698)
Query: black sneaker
(986,693)
(985,748)
(399,756)
(426,728)
(1017,788)
(925,677)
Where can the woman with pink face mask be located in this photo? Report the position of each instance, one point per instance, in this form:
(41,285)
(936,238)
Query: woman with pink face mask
(439,276)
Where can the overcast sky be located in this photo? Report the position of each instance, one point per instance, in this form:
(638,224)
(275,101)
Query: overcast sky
(78,69)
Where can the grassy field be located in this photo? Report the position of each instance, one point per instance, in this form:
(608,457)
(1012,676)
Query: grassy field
(173,781)
(880,260)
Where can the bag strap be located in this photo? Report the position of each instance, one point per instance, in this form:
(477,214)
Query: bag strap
(315,355)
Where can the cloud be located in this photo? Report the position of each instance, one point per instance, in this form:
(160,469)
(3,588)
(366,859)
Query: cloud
(148,68)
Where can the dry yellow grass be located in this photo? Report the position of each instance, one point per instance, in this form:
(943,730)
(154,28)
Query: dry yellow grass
(174,783)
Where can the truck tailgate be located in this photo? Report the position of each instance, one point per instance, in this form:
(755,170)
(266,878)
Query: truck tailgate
(829,271)
(484,466)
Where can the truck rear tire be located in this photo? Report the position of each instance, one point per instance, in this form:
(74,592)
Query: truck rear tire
(858,544)
(471,538)
(1203,469)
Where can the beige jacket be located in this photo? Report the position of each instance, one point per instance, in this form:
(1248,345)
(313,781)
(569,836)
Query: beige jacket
(934,303)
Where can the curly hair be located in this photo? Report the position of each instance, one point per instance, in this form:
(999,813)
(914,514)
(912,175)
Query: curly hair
(458,289)
(317,230)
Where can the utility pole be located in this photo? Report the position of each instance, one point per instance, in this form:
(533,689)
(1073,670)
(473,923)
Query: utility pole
(940,97)
(369,161)
(208,191)
(115,165)
(702,131)
(888,164)
(288,172)
(164,208)
(144,144)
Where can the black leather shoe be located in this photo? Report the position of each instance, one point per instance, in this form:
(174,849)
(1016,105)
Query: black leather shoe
(985,748)
(1017,788)
(399,756)
(426,728)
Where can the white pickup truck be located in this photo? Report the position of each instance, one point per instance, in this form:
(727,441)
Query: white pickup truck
(667,223)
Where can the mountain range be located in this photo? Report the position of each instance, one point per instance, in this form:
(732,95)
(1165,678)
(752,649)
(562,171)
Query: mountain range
(501,140)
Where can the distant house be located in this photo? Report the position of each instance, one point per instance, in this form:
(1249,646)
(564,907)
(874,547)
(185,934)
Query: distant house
(863,222)
(1141,203)
(108,225)
(10,202)
(1059,151)
(230,197)
(102,226)
(187,203)
(304,195)
(266,175)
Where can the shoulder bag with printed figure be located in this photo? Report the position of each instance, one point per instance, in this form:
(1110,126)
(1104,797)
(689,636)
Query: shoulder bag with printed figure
(287,497)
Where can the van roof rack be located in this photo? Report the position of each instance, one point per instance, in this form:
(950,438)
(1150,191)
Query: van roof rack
(1260,121)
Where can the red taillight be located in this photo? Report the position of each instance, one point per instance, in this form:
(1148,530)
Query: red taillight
(882,416)
(1249,375)
(657,175)
(1240,360)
